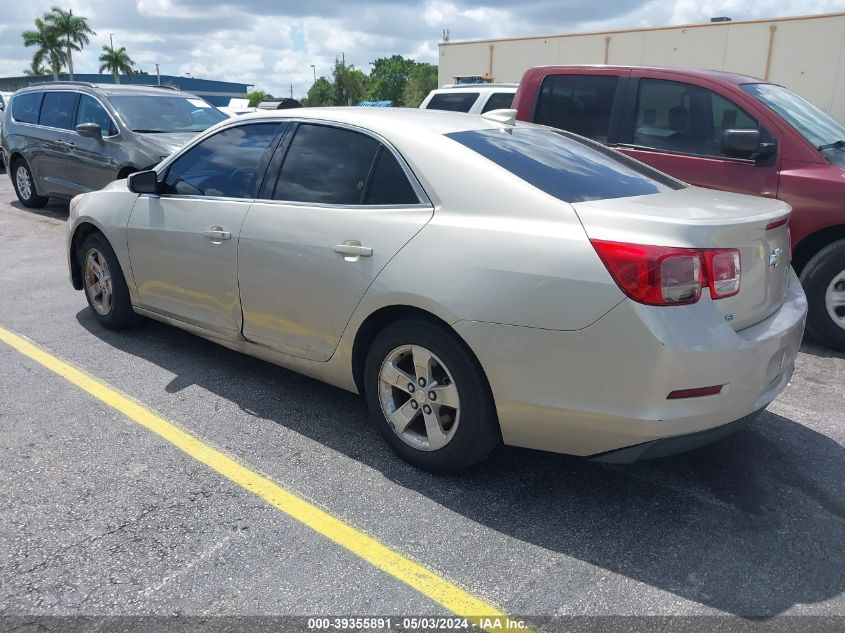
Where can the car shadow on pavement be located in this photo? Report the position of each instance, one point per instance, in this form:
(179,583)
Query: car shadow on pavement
(812,346)
(751,526)
(55,209)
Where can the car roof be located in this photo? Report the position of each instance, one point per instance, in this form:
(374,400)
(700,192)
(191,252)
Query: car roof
(108,89)
(716,75)
(478,87)
(387,121)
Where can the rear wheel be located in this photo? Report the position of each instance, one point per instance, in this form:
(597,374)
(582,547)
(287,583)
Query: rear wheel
(104,284)
(823,279)
(429,397)
(25,186)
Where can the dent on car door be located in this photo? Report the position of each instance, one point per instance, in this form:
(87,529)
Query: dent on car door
(341,208)
(183,244)
(677,127)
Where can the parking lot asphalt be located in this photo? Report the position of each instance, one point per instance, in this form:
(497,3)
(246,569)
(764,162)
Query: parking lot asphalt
(101,517)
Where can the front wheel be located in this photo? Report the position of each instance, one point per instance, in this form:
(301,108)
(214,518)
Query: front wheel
(104,284)
(823,279)
(25,186)
(429,398)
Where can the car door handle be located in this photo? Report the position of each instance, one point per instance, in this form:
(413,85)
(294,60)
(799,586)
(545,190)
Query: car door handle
(353,250)
(216,233)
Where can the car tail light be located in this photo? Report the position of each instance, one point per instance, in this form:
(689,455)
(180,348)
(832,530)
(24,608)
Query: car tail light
(723,268)
(665,275)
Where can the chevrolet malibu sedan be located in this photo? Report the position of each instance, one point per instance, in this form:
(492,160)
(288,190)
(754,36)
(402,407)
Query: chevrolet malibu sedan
(477,281)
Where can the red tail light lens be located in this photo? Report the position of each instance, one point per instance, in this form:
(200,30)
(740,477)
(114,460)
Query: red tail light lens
(664,275)
(723,272)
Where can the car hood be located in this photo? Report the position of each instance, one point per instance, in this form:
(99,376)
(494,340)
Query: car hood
(168,142)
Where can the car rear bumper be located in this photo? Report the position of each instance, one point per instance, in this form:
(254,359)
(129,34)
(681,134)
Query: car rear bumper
(604,388)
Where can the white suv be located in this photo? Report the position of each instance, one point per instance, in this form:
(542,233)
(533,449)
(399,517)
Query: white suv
(471,98)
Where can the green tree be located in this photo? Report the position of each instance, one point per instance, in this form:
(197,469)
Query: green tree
(35,70)
(50,47)
(388,79)
(321,93)
(257,96)
(72,30)
(350,84)
(117,61)
(423,80)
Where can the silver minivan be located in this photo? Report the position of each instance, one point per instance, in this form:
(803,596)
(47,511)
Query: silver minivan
(61,139)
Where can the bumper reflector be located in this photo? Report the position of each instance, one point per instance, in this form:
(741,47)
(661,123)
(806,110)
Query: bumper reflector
(695,393)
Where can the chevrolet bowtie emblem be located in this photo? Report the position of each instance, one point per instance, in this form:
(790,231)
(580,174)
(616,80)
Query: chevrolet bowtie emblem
(776,257)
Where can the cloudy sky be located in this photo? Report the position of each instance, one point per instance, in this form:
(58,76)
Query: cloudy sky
(272,43)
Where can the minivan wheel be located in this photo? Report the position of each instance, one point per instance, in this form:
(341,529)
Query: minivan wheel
(25,186)
(104,284)
(429,398)
(823,279)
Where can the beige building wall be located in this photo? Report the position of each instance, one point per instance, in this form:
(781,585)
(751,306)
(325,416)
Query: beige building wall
(806,54)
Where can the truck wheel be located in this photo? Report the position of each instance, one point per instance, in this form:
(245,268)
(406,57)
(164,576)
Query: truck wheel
(823,279)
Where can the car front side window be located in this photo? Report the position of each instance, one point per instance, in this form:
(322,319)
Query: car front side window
(90,111)
(227,164)
(686,118)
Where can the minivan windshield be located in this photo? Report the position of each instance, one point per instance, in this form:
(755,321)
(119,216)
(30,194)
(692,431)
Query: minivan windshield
(819,128)
(165,114)
(564,165)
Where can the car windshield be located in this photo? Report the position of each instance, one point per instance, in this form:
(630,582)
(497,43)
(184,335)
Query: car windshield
(564,165)
(163,114)
(815,125)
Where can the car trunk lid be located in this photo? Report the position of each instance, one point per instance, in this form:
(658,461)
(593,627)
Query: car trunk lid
(703,219)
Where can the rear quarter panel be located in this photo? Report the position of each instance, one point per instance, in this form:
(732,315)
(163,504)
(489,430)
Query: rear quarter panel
(496,250)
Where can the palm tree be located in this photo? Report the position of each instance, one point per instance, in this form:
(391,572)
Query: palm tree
(72,29)
(116,61)
(35,70)
(49,46)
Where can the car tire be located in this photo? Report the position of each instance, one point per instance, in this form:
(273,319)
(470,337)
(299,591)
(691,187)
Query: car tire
(24,185)
(104,284)
(437,437)
(823,279)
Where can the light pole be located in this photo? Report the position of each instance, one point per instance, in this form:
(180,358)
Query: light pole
(314,69)
(111,40)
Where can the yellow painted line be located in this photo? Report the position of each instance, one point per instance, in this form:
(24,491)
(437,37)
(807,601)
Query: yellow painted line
(369,549)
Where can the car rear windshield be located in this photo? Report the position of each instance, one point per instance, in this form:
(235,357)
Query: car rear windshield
(160,114)
(564,165)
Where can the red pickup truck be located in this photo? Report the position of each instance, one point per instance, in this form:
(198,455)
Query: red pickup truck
(723,131)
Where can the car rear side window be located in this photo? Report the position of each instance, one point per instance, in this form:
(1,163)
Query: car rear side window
(452,101)
(578,103)
(57,110)
(498,101)
(25,107)
(224,165)
(564,166)
(326,165)
(91,111)
(388,183)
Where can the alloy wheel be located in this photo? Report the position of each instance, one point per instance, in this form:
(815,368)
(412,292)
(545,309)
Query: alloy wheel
(23,182)
(98,282)
(834,299)
(419,398)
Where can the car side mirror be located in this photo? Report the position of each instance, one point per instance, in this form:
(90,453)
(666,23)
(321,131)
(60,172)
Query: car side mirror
(745,144)
(89,130)
(143,182)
